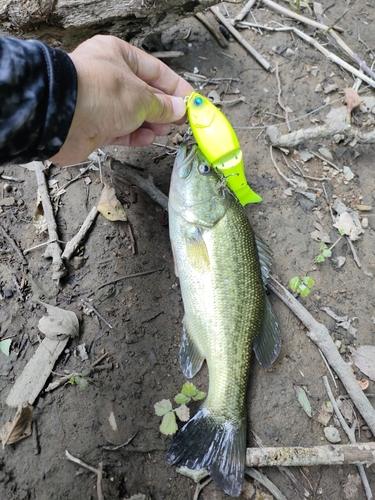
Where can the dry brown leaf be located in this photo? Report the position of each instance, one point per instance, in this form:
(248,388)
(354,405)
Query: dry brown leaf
(351,100)
(110,206)
(20,427)
(346,223)
(364,359)
(58,324)
(325,413)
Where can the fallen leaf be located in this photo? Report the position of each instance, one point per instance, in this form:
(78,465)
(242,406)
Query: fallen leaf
(110,206)
(351,100)
(20,427)
(302,398)
(5,346)
(346,223)
(183,413)
(346,409)
(58,324)
(325,413)
(364,359)
(319,234)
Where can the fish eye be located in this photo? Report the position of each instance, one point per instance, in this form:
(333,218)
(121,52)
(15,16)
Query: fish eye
(204,169)
(198,101)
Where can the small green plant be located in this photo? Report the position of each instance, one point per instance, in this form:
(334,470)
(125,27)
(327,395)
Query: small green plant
(81,382)
(326,252)
(301,285)
(164,408)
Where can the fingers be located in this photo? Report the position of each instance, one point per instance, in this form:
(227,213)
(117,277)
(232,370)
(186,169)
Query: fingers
(156,73)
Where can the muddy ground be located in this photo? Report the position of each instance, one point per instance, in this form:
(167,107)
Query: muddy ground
(145,312)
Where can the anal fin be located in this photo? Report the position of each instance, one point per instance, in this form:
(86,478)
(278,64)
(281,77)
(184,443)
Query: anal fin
(191,358)
(268,344)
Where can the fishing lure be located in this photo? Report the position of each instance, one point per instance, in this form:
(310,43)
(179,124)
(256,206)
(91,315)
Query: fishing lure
(218,142)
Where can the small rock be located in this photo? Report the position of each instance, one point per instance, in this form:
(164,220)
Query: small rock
(347,173)
(364,222)
(326,153)
(289,52)
(315,71)
(318,88)
(338,344)
(332,434)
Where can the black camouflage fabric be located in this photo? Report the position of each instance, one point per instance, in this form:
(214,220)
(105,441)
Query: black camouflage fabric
(38,91)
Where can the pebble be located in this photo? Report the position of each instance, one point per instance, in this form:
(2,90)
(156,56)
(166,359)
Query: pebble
(332,434)
(364,222)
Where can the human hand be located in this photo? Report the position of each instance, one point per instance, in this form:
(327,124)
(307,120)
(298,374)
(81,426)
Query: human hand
(125,97)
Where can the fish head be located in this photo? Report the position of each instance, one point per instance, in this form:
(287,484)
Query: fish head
(196,192)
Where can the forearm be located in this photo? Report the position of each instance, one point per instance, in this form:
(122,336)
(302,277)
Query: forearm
(38,91)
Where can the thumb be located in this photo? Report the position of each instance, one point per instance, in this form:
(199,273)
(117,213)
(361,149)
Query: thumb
(166,109)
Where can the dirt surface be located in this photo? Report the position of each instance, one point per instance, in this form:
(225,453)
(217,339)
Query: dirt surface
(145,312)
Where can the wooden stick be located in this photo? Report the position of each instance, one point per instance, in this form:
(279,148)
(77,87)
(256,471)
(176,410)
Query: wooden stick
(222,41)
(294,15)
(244,12)
(357,453)
(147,185)
(350,432)
(53,250)
(241,39)
(319,334)
(72,245)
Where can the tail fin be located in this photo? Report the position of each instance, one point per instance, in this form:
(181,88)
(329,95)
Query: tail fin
(218,446)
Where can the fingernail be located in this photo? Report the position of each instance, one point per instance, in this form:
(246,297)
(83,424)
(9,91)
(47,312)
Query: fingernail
(179,107)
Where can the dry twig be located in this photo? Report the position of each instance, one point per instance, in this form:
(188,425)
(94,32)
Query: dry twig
(319,334)
(97,471)
(72,244)
(14,245)
(123,172)
(350,432)
(241,39)
(214,30)
(53,249)
(298,17)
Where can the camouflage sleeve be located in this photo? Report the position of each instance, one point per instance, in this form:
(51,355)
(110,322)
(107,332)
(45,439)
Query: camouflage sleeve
(38,91)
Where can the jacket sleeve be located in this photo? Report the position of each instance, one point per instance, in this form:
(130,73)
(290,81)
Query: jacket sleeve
(38,92)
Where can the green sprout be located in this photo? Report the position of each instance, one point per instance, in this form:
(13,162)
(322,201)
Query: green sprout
(80,382)
(326,252)
(164,408)
(301,286)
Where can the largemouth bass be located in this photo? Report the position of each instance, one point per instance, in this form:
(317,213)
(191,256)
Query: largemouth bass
(226,313)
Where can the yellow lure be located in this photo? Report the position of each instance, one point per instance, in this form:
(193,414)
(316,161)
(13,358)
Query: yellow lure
(218,142)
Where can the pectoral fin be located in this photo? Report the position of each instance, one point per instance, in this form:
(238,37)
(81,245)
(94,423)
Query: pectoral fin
(191,358)
(197,252)
(268,344)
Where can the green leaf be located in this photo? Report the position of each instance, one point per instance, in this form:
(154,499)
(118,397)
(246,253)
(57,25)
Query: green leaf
(181,399)
(302,398)
(81,382)
(308,281)
(183,413)
(5,346)
(304,290)
(320,258)
(199,396)
(341,231)
(168,425)
(294,283)
(162,407)
(189,389)
(326,253)
(322,246)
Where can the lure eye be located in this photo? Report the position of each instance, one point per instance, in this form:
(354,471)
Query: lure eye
(198,101)
(204,169)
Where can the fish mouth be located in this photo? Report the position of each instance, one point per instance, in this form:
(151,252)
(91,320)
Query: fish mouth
(185,161)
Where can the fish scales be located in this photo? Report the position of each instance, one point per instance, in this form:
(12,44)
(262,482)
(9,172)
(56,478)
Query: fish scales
(217,262)
(223,304)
